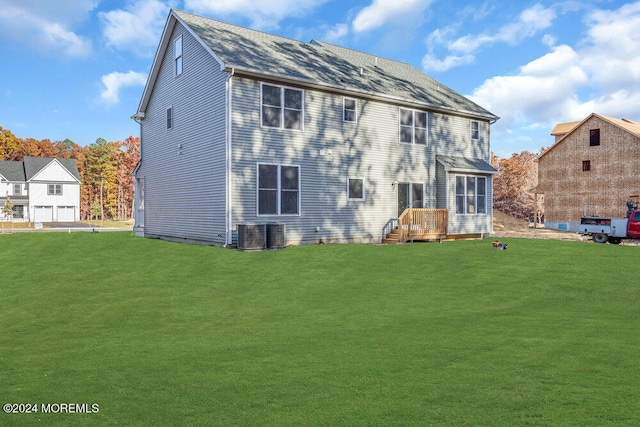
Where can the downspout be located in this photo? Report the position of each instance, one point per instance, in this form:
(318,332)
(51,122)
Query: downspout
(228,210)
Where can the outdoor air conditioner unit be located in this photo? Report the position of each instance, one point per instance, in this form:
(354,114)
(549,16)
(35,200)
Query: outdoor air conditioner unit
(252,237)
(276,238)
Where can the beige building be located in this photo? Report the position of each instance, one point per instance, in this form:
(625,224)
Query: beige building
(594,165)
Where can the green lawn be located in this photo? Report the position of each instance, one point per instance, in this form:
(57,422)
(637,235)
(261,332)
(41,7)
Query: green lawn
(159,333)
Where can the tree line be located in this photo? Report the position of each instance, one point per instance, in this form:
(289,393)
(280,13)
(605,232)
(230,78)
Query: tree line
(107,185)
(106,190)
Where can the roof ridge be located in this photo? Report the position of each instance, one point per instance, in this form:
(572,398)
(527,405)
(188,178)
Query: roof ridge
(270,35)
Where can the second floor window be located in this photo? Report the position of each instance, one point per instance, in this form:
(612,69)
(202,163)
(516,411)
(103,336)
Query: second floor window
(17,189)
(594,137)
(349,110)
(475,130)
(169,117)
(282,107)
(413,127)
(54,189)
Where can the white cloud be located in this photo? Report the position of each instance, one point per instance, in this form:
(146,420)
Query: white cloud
(137,28)
(463,49)
(262,14)
(380,12)
(46,26)
(542,91)
(603,76)
(430,62)
(114,82)
(336,33)
(613,55)
(530,22)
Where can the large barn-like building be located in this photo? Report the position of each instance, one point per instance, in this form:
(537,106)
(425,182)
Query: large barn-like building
(593,166)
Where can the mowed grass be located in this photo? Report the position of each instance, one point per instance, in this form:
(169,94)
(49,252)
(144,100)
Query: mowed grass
(160,333)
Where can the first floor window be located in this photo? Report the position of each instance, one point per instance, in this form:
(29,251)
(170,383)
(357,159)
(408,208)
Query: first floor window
(278,189)
(471,195)
(18,211)
(413,127)
(586,165)
(355,189)
(169,117)
(282,107)
(54,189)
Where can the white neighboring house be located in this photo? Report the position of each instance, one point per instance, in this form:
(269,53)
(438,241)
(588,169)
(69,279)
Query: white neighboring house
(41,189)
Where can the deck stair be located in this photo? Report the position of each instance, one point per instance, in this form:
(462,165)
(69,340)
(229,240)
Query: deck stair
(419,224)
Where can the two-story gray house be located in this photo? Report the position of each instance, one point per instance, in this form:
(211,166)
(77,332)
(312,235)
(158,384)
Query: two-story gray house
(239,126)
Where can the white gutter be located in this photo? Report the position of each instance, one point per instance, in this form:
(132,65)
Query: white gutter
(228,146)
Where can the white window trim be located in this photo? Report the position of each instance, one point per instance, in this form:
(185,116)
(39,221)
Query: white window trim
(355,110)
(413,127)
(177,56)
(278,189)
(54,192)
(455,195)
(364,194)
(282,108)
(169,117)
(471,130)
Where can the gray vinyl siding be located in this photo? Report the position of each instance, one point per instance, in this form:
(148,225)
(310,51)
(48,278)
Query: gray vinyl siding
(184,167)
(369,148)
(452,137)
(470,224)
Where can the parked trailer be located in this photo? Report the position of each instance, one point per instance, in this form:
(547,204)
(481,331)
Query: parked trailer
(612,230)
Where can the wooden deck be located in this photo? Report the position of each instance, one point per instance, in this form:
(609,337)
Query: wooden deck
(420,224)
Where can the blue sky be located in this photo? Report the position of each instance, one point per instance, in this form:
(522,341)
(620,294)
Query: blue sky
(76,68)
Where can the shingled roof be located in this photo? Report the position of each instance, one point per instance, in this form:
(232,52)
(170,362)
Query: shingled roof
(14,171)
(463,164)
(319,64)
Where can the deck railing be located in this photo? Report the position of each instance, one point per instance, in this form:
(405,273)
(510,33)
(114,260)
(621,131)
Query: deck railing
(423,224)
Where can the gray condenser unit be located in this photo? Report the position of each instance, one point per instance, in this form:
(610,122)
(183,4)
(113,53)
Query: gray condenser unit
(252,237)
(276,238)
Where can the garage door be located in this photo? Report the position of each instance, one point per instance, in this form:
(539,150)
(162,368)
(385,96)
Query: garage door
(43,214)
(66,214)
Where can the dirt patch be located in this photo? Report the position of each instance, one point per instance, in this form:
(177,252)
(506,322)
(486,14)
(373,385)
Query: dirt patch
(507,226)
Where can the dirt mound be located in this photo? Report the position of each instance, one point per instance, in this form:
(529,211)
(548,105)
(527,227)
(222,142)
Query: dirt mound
(508,226)
(503,221)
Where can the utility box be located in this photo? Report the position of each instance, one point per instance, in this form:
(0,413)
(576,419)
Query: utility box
(276,236)
(252,237)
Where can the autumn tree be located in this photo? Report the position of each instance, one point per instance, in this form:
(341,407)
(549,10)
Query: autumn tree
(8,144)
(516,176)
(105,170)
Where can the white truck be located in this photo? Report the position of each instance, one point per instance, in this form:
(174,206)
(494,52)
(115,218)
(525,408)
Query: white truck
(613,230)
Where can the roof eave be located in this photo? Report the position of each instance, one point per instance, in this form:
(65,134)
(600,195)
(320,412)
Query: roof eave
(172,20)
(247,72)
